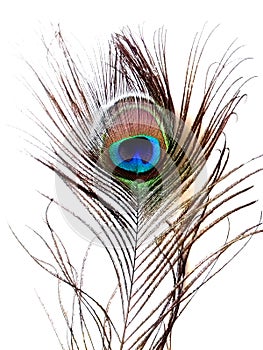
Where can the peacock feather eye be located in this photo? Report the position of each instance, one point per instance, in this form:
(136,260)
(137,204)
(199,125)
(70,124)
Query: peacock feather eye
(135,143)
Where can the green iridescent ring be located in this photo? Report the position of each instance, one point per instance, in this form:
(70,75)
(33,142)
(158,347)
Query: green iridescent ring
(137,154)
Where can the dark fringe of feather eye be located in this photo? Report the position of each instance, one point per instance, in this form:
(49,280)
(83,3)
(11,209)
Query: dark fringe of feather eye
(141,267)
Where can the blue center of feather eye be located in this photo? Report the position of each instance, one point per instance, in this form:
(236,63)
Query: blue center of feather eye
(137,154)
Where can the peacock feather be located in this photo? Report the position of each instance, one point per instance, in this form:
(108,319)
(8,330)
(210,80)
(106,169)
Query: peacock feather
(138,171)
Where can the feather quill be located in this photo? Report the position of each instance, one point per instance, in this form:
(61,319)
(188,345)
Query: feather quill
(137,169)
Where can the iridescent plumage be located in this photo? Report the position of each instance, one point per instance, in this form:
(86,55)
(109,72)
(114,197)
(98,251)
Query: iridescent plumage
(137,168)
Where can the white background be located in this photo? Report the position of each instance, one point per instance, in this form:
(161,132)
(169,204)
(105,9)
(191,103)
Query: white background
(228,313)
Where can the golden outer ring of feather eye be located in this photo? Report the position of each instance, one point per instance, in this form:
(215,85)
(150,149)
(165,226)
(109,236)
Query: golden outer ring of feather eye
(134,115)
(132,121)
(96,186)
